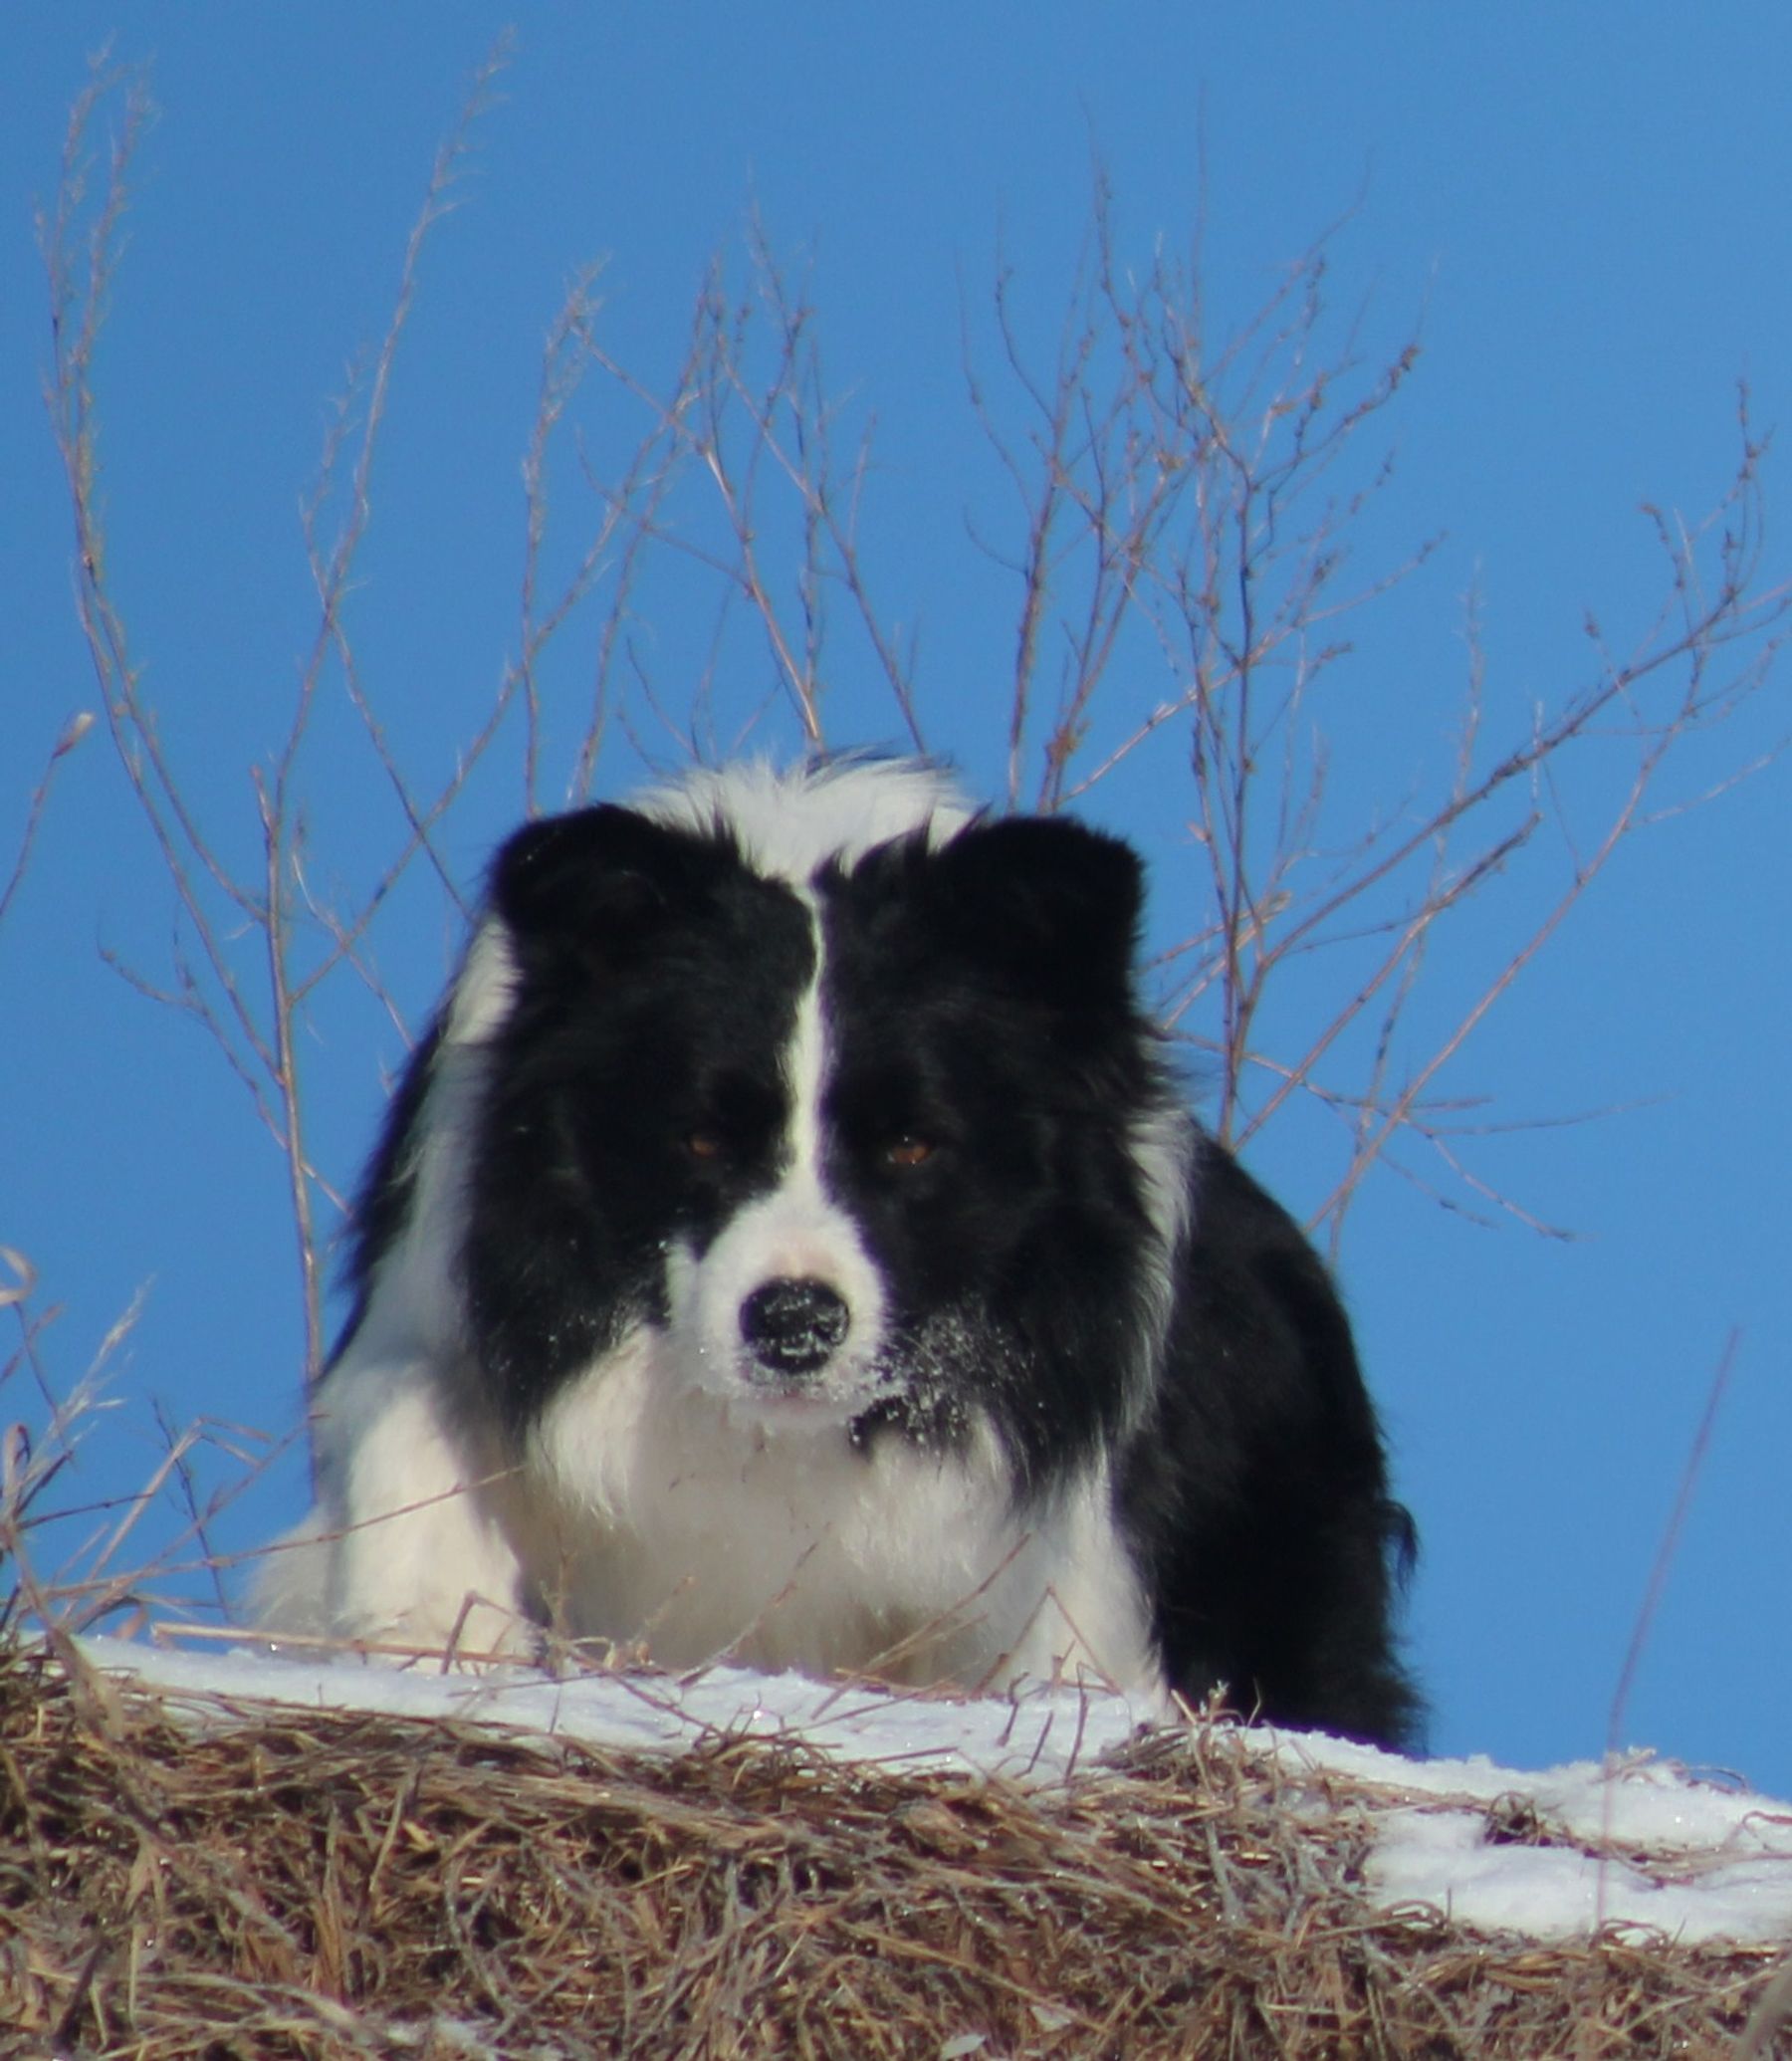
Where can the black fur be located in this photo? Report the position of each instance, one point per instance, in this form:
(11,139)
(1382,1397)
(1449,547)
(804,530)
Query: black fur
(1257,1491)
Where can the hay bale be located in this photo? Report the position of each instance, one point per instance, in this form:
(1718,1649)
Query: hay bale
(279,1882)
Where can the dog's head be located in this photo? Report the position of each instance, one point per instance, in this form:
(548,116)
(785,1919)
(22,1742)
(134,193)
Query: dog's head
(848,1136)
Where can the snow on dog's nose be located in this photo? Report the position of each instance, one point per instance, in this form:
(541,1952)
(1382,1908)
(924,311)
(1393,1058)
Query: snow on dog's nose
(792,1328)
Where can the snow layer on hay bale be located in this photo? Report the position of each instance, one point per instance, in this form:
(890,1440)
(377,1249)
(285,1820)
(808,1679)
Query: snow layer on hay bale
(185,1875)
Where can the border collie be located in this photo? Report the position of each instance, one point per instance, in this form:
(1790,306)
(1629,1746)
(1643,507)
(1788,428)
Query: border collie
(789,1244)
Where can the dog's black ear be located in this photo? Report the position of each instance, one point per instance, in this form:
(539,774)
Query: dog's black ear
(600,880)
(1049,902)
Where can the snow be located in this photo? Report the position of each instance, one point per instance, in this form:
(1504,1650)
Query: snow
(1642,1842)
(1043,1736)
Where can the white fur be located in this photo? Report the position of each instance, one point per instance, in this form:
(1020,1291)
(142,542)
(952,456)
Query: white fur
(1162,1146)
(791,824)
(715,1534)
(406,1547)
(484,988)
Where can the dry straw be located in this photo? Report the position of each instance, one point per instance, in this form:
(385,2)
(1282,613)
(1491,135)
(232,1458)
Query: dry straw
(207,1879)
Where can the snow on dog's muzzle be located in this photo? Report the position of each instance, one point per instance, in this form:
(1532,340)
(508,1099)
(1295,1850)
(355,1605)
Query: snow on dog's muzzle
(792,1329)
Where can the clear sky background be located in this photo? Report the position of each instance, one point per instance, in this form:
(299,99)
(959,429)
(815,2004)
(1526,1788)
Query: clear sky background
(1581,214)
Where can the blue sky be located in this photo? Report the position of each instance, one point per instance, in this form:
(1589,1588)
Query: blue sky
(1578,211)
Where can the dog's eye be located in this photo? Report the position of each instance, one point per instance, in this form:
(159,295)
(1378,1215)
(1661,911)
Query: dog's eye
(704,1144)
(908,1151)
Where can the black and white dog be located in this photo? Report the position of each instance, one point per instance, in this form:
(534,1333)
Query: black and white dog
(789,1244)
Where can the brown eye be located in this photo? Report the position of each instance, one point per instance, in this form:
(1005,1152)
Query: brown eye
(908,1152)
(704,1145)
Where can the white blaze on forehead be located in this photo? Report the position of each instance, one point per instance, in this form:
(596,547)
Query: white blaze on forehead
(806,1061)
(796,1230)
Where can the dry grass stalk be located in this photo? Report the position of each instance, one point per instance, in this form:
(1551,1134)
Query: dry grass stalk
(186,1880)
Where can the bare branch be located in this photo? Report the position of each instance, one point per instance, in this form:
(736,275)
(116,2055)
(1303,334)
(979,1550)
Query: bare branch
(72,734)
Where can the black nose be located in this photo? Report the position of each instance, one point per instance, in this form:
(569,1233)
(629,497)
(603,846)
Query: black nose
(794,1326)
